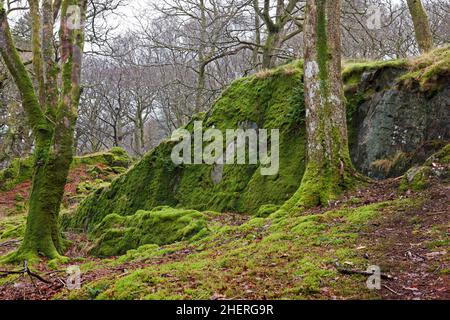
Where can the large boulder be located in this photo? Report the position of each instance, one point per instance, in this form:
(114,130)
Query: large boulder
(399,124)
(394,109)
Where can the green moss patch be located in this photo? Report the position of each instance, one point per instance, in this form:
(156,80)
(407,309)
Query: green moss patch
(429,69)
(12,227)
(116,157)
(117,234)
(436,167)
(354,69)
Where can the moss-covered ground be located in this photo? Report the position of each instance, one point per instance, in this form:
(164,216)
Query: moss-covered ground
(278,257)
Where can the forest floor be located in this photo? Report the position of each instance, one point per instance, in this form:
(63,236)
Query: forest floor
(317,255)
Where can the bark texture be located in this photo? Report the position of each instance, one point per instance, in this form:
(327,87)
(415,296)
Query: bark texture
(329,170)
(422,29)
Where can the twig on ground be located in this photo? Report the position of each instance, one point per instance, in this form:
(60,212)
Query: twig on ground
(9,243)
(391,290)
(364,273)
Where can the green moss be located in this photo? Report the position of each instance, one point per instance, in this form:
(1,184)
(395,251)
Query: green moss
(18,171)
(363,214)
(323,54)
(442,157)
(353,71)
(313,276)
(12,227)
(148,184)
(436,167)
(429,70)
(117,234)
(116,157)
(416,179)
(266,210)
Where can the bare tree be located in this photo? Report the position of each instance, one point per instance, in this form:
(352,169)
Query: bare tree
(277,26)
(204,31)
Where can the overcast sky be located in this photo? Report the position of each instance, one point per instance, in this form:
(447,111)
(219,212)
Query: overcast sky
(137,6)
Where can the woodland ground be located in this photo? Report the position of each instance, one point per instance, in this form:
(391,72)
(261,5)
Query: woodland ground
(299,257)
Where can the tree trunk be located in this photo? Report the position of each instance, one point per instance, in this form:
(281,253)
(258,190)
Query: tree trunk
(201,85)
(255,55)
(42,235)
(271,45)
(422,29)
(329,170)
(52,117)
(139,133)
(201,77)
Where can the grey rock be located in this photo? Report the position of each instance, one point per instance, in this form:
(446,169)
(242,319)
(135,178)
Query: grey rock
(397,120)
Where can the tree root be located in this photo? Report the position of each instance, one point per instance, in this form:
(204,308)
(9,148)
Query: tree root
(24,270)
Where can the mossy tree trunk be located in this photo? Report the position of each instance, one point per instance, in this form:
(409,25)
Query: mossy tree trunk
(51,112)
(422,28)
(329,170)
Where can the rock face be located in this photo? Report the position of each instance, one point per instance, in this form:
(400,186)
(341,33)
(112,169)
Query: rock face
(398,123)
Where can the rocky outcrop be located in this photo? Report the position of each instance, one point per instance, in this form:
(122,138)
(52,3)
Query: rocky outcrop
(398,125)
(397,114)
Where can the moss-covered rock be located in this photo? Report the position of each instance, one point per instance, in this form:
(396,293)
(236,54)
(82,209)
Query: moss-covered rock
(381,124)
(436,167)
(116,234)
(18,171)
(269,101)
(417,178)
(116,157)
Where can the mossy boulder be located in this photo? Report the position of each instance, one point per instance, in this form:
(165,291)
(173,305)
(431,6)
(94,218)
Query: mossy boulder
(385,118)
(271,101)
(116,234)
(116,157)
(436,167)
(18,171)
